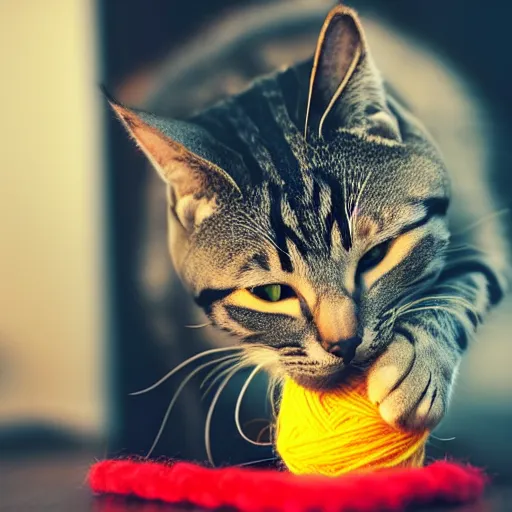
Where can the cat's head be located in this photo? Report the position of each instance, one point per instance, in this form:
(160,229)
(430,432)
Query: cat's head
(301,212)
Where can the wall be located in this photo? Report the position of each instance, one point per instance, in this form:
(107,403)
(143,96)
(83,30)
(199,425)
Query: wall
(51,217)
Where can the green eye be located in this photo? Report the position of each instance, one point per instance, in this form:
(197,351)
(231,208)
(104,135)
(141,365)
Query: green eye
(373,257)
(270,292)
(273,292)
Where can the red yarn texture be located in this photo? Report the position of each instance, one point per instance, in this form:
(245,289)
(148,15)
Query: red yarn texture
(255,490)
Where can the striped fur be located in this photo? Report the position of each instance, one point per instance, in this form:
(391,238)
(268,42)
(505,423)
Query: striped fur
(306,208)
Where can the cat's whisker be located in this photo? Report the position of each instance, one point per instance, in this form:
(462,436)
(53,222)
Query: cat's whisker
(183,365)
(464,247)
(345,204)
(483,220)
(238,406)
(258,231)
(459,287)
(463,303)
(223,362)
(198,326)
(407,305)
(175,397)
(449,298)
(353,216)
(272,395)
(211,410)
(254,462)
(267,238)
(221,374)
(395,313)
(260,435)
(429,308)
(254,228)
(442,439)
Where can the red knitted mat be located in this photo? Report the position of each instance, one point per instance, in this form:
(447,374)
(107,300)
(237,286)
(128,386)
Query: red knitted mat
(255,490)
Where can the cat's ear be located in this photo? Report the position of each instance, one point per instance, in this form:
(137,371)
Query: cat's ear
(346,89)
(182,155)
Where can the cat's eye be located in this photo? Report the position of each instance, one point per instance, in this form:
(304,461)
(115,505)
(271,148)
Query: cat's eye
(273,292)
(373,257)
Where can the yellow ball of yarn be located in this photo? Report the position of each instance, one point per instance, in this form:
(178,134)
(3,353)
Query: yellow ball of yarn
(338,431)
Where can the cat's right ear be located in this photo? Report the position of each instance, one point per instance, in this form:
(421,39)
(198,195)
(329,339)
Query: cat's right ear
(197,184)
(346,89)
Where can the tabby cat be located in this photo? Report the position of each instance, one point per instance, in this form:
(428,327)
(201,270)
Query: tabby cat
(310,216)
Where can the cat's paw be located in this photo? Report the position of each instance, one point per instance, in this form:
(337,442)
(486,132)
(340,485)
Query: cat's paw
(412,381)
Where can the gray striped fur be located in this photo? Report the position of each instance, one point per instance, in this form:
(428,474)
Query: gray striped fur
(299,199)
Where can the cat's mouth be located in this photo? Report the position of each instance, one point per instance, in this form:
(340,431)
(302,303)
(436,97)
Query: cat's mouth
(318,377)
(313,374)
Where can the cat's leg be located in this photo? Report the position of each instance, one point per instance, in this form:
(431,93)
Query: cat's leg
(412,381)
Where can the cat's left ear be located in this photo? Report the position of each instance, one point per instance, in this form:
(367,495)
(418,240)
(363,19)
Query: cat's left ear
(187,158)
(346,89)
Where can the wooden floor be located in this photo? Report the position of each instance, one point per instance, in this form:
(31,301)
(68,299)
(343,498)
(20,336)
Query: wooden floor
(57,483)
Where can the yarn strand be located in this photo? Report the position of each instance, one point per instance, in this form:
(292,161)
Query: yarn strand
(340,431)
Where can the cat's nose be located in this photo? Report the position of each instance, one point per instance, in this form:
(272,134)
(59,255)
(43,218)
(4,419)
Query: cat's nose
(336,319)
(344,349)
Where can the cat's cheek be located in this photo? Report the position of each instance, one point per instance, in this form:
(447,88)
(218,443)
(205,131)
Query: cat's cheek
(221,319)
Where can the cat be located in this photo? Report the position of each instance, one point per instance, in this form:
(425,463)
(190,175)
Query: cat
(311,216)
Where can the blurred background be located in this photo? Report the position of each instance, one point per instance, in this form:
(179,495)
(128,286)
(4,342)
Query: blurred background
(76,333)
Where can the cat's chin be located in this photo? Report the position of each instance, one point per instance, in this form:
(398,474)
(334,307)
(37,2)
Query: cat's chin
(323,381)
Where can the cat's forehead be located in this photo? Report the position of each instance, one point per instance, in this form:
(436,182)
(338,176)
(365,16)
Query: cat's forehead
(264,126)
(313,188)
(354,156)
